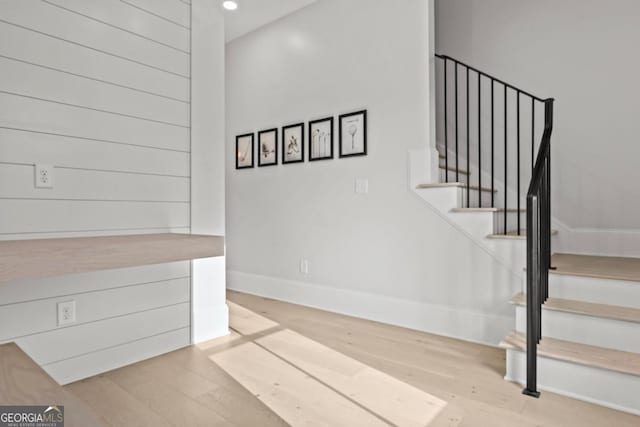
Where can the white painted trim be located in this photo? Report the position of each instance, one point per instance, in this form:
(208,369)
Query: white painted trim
(462,324)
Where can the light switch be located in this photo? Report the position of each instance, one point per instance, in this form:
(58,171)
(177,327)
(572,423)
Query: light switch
(362,186)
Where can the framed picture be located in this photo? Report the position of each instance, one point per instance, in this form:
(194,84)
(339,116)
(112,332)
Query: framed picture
(293,143)
(268,147)
(353,134)
(244,151)
(321,139)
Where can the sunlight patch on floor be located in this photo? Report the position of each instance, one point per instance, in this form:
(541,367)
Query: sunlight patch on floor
(246,321)
(307,383)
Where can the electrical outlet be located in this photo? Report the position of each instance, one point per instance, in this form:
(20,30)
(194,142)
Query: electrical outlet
(304,266)
(44,176)
(66,313)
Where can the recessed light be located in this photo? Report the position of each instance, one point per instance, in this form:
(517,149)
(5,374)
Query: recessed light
(230,4)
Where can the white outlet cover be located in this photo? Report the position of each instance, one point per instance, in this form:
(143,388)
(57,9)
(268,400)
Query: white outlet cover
(44,176)
(66,313)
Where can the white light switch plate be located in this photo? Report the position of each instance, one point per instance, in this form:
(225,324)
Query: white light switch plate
(362,186)
(44,176)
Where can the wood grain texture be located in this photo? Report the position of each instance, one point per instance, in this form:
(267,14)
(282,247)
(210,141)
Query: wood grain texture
(601,267)
(23,382)
(605,358)
(614,312)
(28,259)
(187,383)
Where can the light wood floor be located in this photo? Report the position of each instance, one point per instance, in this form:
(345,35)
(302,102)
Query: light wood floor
(290,365)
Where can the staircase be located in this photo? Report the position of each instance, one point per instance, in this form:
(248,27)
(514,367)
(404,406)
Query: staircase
(581,313)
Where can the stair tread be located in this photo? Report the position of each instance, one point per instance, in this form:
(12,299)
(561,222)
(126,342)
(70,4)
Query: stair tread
(452,184)
(589,355)
(453,169)
(614,312)
(486,210)
(600,267)
(514,235)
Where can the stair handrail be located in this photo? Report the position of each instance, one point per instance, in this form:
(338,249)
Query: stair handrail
(463,76)
(538,248)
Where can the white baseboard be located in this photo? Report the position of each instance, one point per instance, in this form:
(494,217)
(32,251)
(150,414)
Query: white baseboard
(452,322)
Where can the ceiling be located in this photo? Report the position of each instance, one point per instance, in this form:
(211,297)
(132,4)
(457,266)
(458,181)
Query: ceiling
(253,14)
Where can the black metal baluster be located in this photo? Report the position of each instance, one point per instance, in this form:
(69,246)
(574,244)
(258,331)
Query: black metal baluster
(493,204)
(446,127)
(479,141)
(468,153)
(533,258)
(505,160)
(533,132)
(518,157)
(456,92)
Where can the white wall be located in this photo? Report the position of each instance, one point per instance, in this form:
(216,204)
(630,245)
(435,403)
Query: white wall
(577,52)
(101,90)
(383,255)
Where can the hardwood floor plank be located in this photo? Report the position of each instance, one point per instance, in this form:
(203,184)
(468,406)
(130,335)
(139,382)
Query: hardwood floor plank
(117,407)
(299,399)
(246,321)
(400,403)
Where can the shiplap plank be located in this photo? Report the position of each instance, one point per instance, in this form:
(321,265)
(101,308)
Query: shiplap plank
(17,181)
(48,19)
(45,348)
(41,315)
(171,10)
(86,365)
(18,291)
(31,148)
(23,216)
(46,51)
(26,79)
(131,19)
(32,114)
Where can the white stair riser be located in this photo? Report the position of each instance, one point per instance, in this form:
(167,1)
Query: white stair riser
(442,198)
(475,200)
(478,224)
(597,331)
(601,291)
(452,176)
(600,386)
(512,221)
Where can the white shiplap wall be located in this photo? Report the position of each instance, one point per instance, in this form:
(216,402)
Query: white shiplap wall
(101,90)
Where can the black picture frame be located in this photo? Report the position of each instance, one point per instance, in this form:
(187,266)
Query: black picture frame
(342,150)
(285,145)
(320,147)
(265,153)
(241,152)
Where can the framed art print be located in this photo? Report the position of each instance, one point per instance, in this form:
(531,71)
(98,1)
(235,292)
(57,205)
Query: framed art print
(293,143)
(268,147)
(353,134)
(244,151)
(321,139)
